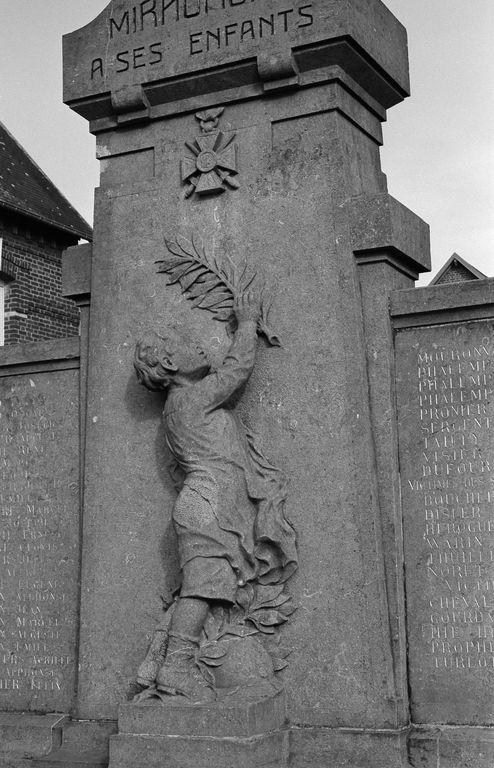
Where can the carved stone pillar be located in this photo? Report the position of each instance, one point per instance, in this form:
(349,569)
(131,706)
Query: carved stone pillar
(288,177)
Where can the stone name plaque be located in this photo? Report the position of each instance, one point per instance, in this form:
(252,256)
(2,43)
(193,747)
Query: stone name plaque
(445,391)
(39,540)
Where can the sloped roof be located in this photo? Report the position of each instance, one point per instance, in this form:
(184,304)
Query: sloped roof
(26,190)
(457,270)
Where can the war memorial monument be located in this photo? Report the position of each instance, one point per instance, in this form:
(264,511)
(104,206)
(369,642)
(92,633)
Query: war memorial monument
(247,515)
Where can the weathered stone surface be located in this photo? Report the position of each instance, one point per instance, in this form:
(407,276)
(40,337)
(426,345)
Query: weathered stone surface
(239,719)
(382,225)
(130,45)
(328,748)
(228,492)
(451,748)
(200,752)
(76,271)
(83,745)
(445,381)
(375,275)
(301,399)
(305,176)
(60,354)
(442,303)
(23,735)
(67,758)
(39,546)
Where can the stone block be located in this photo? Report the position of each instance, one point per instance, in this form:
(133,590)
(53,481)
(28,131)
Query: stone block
(76,271)
(83,745)
(451,302)
(451,747)
(31,356)
(237,720)
(345,748)
(70,758)
(127,751)
(382,225)
(131,56)
(445,380)
(23,735)
(39,539)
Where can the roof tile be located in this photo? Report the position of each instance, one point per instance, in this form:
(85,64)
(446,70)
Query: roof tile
(25,189)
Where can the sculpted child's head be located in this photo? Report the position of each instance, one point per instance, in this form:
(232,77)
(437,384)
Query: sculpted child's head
(160,361)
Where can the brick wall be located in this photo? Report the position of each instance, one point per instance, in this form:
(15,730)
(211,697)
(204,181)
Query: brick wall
(34,306)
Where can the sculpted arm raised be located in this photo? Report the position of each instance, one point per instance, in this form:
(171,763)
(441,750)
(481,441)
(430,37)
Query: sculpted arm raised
(238,364)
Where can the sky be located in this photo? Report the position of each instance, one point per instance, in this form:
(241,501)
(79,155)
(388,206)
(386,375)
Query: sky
(438,149)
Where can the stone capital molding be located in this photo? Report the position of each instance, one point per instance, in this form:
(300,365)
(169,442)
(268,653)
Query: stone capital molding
(133,55)
(384,229)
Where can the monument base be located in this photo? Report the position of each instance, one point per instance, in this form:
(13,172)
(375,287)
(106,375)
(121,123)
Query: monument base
(243,735)
(83,744)
(236,731)
(451,747)
(348,748)
(28,736)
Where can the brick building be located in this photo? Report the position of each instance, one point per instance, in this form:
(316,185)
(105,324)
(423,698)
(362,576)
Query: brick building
(36,224)
(457,270)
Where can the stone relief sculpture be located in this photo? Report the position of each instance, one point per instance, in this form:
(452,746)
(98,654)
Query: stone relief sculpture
(212,166)
(210,284)
(236,548)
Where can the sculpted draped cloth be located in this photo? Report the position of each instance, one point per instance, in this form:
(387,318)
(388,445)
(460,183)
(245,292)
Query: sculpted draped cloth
(229,514)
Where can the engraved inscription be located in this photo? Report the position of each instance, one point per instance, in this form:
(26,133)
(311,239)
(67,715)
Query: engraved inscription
(455,486)
(251,29)
(38,543)
(208,26)
(163,13)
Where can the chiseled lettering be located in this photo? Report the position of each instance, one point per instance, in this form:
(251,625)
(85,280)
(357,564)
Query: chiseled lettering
(156,13)
(230,31)
(253,29)
(455,393)
(195,43)
(165,6)
(137,56)
(96,68)
(32,644)
(156,53)
(247,30)
(266,26)
(148,8)
(120,58)
(191,8)
(45,685)
(309,19)
(124,25)
(213,36)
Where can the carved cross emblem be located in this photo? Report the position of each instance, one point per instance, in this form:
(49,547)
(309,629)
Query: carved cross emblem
(213,163)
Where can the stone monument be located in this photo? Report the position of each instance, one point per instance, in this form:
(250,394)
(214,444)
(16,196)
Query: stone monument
(240,139)
(257,127)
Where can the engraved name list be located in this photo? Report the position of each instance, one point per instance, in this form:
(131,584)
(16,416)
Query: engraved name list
(38,544)
(455,490)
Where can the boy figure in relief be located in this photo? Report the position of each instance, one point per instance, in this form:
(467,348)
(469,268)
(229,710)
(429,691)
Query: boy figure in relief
(228,515)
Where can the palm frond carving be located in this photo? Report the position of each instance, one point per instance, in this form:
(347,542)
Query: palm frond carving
(210,283)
